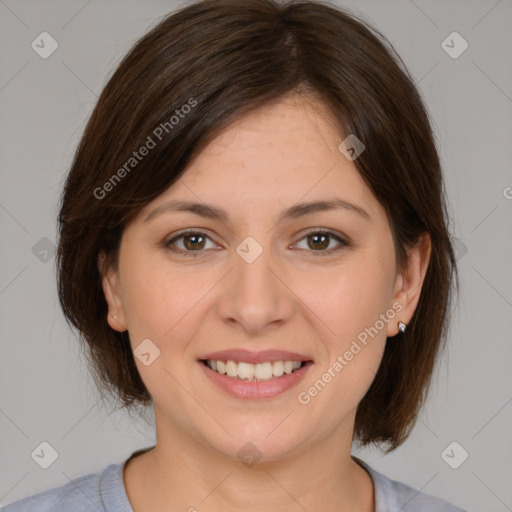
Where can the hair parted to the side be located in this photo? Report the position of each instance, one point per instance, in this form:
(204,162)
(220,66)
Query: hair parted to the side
(232,57)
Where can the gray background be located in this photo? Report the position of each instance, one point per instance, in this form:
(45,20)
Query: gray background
(46,392)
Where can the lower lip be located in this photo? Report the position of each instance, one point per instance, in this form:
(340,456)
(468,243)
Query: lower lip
(255,390)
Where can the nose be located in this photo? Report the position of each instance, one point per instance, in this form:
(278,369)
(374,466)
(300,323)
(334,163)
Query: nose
(254,296)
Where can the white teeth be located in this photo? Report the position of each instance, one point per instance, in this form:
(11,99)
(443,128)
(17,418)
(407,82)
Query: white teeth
(221,367)
(231,369)
(263,371)
(248,371)
(278,368)
(245,371)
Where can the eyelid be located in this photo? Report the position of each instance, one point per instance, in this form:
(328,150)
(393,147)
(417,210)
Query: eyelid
(324,230)
(179,234)
(342,240)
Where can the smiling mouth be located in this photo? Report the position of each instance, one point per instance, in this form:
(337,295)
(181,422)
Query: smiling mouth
(254,372)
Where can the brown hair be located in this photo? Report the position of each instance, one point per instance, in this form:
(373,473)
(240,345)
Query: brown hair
(224,59)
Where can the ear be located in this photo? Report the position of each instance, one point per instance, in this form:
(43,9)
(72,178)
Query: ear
(110,282)
(409,282)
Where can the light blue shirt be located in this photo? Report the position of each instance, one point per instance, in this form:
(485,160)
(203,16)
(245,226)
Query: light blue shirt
(105,492)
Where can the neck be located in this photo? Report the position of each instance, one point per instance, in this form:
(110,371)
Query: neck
(181,473)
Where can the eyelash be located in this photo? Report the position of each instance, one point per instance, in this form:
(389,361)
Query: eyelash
(343,242)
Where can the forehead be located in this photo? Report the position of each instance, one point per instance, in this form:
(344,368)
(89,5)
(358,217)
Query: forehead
(271,158)
(292,134)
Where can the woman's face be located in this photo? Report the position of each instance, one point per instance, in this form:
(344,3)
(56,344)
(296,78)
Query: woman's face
(259,280)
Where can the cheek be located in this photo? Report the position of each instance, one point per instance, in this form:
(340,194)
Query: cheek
(151,296)
(148,305)
(349,303)
(164,303)
(165,308)
(350,297)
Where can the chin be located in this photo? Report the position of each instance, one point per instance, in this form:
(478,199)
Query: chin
(256,439)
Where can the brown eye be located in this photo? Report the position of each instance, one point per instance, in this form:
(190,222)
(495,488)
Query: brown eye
(193,241)
(319,241)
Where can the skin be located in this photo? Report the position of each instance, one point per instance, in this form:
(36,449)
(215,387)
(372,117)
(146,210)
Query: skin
(294,296)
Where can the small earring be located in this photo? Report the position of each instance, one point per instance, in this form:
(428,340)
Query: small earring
(401,326)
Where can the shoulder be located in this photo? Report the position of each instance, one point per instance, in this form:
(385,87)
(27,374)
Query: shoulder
(102,491)
(394,496)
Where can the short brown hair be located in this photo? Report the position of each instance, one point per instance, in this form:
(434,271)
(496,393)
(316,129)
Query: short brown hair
(228,58)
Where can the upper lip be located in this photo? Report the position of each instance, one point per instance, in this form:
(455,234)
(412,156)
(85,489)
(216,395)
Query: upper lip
(248,356)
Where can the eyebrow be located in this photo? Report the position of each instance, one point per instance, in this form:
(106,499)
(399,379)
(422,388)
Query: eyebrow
(294,212)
